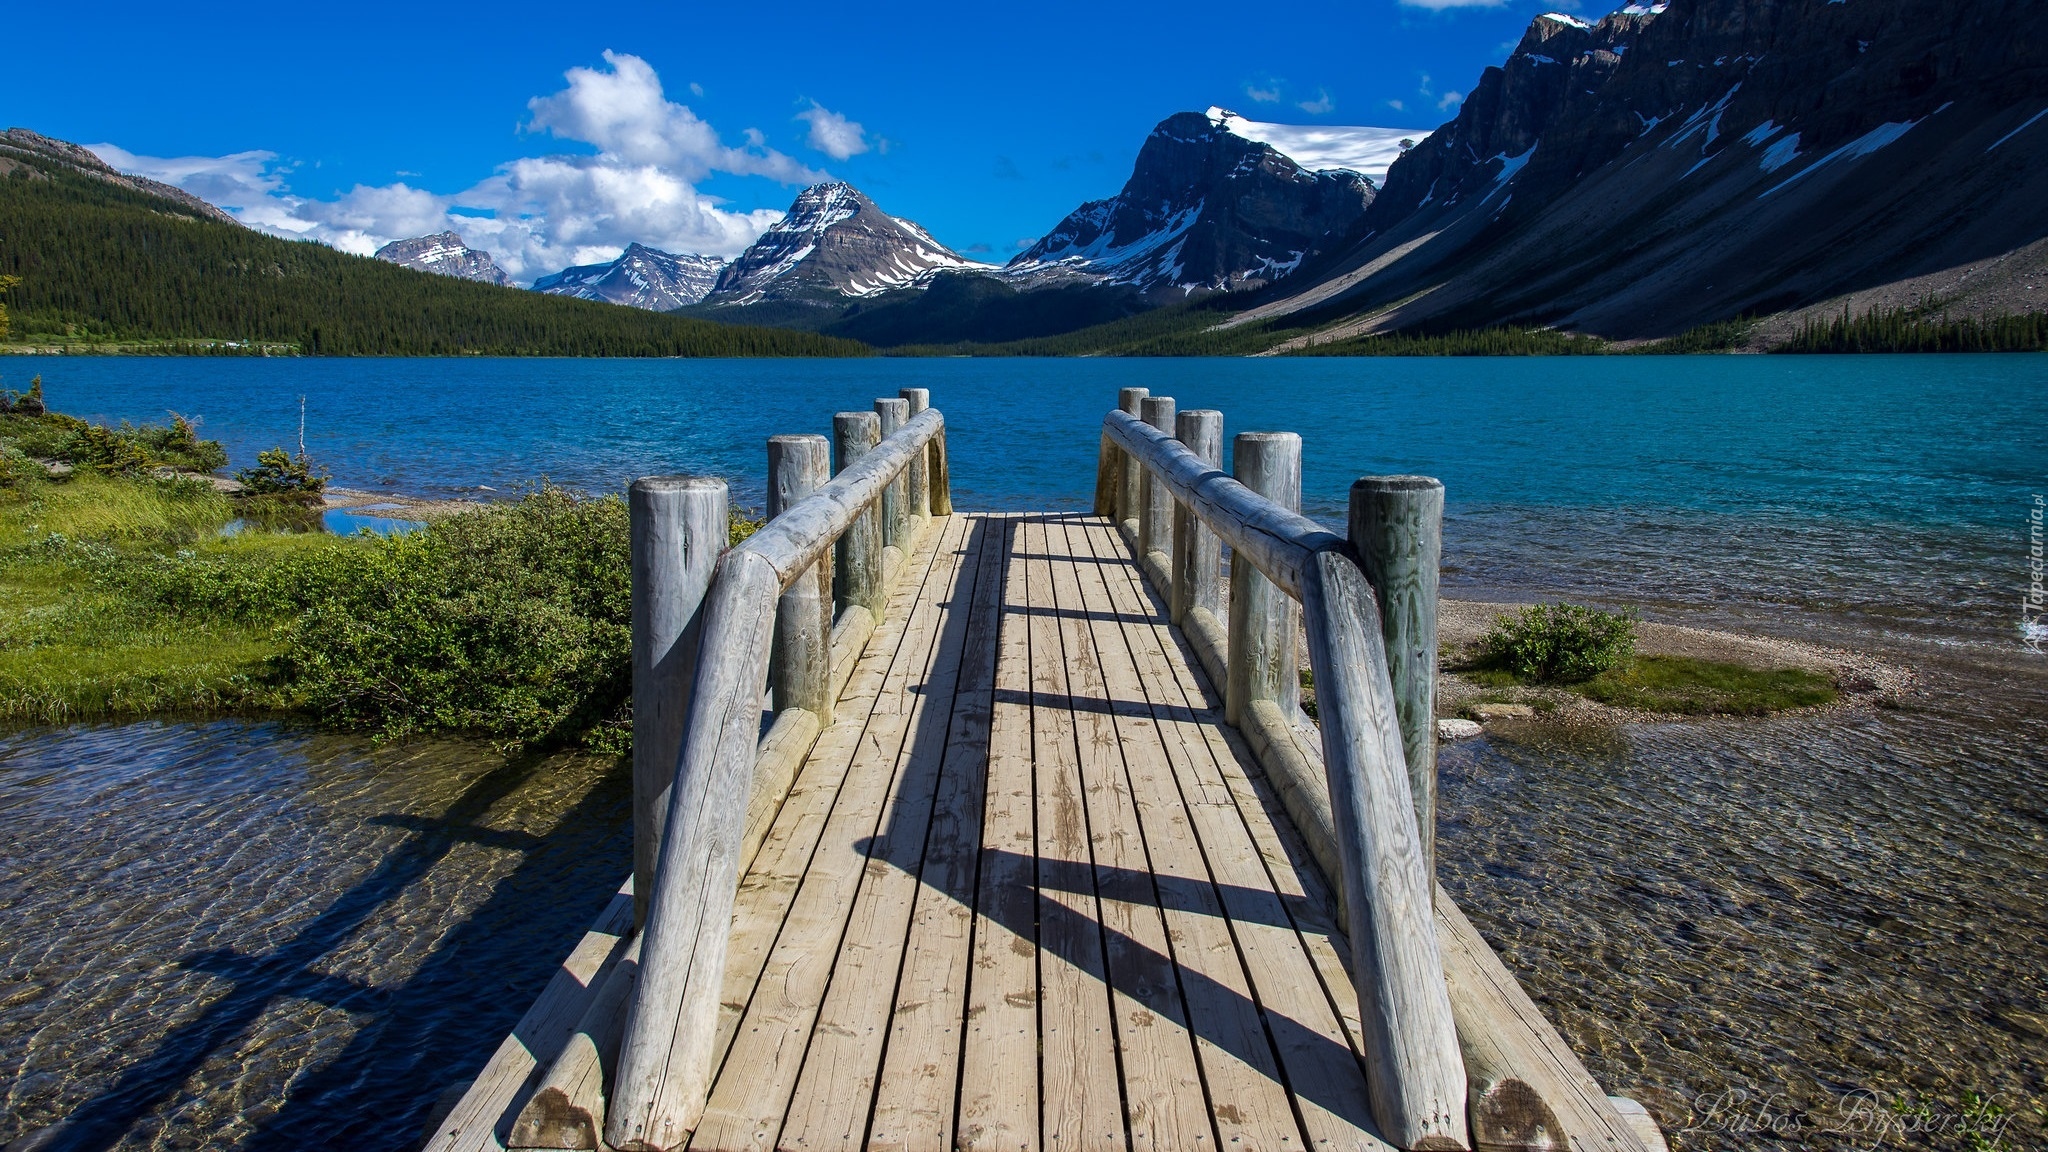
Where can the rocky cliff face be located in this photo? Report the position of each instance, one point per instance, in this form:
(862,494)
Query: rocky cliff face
(1205,209)
(641,277)
(833,245)
(444,254)
(23,141)
(1674,164)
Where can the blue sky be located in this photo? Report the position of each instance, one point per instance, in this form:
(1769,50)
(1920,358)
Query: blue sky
(686,125)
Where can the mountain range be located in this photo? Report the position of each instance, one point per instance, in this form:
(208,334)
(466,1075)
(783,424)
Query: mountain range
(1665,166)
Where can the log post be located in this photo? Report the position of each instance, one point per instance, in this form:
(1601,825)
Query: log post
(1197,552)
(666,1059)
(895,498)
(857,565)
(1412,1063)
(1109,478)
(800,663)
(1155,500)
(1397,529)
(1262,663)
(678,528)
(917,487)
(941,479)
(1130,400)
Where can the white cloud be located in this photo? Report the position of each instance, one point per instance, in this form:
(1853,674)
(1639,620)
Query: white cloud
(1439,5)
(1450,100)
(832,133)
(1321,104)
(1397,105)
(534,215)
(1270,94)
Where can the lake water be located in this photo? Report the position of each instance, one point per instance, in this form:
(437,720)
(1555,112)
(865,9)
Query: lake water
(236,935)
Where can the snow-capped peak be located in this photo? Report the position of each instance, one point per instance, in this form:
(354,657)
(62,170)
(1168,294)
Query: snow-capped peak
(1567,19)
(1322,147)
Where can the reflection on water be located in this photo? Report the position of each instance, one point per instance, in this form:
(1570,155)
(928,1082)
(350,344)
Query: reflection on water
(243,935)
(1802,906)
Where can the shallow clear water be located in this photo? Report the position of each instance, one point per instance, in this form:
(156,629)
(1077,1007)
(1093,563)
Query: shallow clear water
(1797,908)
(229,934)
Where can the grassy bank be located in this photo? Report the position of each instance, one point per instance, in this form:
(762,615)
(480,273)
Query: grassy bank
(121,596)
(1546,653)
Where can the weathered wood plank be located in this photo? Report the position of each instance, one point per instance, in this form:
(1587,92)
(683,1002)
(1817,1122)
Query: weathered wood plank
(916,1096)
(1164,1103)
(1197,551)
(1156,503)
(1082,1108)
(999,1087)
(1320,1065)
(830,1106)
(776,870)
(1247,1100)
(748,1102)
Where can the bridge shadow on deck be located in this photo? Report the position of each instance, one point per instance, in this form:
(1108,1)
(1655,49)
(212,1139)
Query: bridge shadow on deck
(1013,889)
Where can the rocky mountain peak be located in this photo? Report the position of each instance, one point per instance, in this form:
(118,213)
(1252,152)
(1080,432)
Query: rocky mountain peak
(444,254)
(641,277)
(834,243)
(1207,208)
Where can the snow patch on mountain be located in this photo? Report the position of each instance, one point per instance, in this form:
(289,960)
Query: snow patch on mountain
(834,242)
(1326,147)
(444,254)
(641,277)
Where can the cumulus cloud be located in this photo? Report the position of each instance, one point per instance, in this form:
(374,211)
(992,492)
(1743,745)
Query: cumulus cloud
(1439,5)
(1267,94)
(832,133)
(1321,104)
(1450,100)
(534,215)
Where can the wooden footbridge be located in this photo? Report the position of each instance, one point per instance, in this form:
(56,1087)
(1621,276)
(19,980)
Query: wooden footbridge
(994,831)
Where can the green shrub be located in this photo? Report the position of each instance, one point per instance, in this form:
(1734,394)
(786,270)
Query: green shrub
(178,445)
(105,449)
(1560,643)
(512,622)
(280,474)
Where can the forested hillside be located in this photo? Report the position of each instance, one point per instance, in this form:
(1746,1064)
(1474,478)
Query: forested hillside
(107,263)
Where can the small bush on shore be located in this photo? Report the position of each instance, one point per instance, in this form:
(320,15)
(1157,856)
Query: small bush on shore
(283,477)
(1560,643)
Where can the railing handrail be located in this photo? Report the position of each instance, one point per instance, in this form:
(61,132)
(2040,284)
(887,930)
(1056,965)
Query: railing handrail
(1414,1070)
(666,1054)
(807,529)
(1279,542)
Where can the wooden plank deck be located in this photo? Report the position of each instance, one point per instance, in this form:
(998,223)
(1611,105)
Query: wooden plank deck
(1028,892)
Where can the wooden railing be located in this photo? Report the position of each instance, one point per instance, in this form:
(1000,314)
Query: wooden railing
(1456,1049)
(1280,557)
(710,631)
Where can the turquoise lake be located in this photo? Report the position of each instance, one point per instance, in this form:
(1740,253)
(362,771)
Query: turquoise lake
(1888,493)
(235,933)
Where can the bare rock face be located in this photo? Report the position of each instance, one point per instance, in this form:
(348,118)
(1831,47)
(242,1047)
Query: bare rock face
(1678,163)
(1205,209)
(23,141)
(641,277)
(444,254)
(833,245)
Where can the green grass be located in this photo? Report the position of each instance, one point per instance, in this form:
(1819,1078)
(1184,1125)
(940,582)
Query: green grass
(1684,686)
(77,644)
(1680,685)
